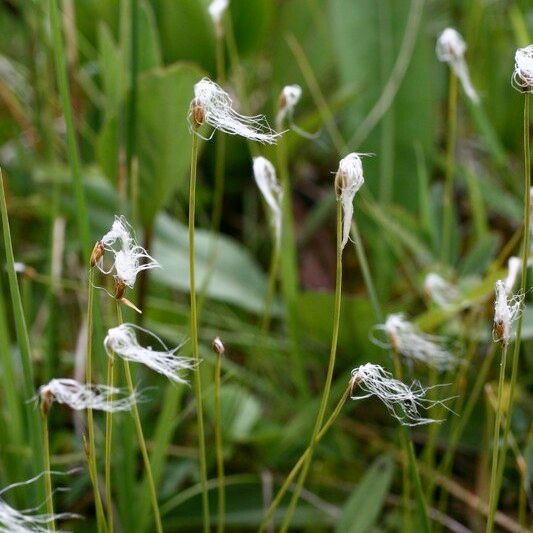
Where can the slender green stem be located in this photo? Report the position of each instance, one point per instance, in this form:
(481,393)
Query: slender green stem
(109,444)
(100,516)
(495,490)
(271,289)
(47,471)
(219,448)
(296,468)
(447,215)
(329,376)
(194,336)
(73,155)
(289,268)
(23,339)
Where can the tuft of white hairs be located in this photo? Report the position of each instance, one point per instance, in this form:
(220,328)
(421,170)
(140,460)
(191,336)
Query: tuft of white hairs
(123,342)
(216,10)
(406,339)
(266,180)
(129,257)
(451,49)
(402,401)
(214,106)
(289,97)
(522,79)
(514,267)
(507,309)
(441,291)
(80,396)
(348,181)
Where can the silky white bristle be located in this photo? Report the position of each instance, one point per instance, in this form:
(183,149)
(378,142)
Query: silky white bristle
(522,78)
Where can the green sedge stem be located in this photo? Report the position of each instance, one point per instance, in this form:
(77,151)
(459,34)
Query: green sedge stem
(447,215)
(271,288)
(219,448)
(47,470)
(194,335)
(296,468)
(329,376)
(109,444)
(495,490)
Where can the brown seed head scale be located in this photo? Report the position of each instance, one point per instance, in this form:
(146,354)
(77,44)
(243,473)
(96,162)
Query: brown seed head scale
(97,253)
(197,113)
(47,399)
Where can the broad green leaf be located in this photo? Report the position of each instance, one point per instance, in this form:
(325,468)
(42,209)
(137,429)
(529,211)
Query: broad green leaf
(361,511)
(163,136)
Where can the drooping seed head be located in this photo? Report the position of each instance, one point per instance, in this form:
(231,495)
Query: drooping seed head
(441,291)
(522,78)
(289,97)
(218,346)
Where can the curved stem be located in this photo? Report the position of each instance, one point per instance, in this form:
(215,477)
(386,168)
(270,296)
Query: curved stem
(495,490)
(329,376)
(219,448)
(194,336)
(296,468)
(447,215)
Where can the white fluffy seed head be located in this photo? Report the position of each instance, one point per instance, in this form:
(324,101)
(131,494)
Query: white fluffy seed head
(213,105)
(514,266)
(80,396)
(289,97)
(451,49)
(216,10)
(402,401)
(406,339)
(129,257)
(267,182)
(522,78)
(507,309)
(348,180)
(123,342)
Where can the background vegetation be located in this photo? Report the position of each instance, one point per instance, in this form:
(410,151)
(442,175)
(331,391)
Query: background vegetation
(130,114)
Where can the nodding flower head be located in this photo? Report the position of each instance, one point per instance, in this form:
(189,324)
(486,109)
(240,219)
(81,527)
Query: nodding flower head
(451,49)
(216,9)
(405,338)
(514,267)
(402,401)
(129,257)
(348,180)
(265,177)
(289,97)
(522,79)
(507,309)
(212,105)
(80,396)
(123,342)
(442,292)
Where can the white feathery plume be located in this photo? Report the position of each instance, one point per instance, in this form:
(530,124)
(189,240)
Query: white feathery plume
(522,79)
(265,177)
(507,309)
(213,105)
(451,49)
(123,342)
(80,396)
(348,181)
(216,10)
(129,257)
(514,267)
(441,291)
(403,401)
(406,339)
(289,97)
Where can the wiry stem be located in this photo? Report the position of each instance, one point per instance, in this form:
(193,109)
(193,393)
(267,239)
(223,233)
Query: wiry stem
(47,470)
(296,468)
(271,289)
(495,489)
(329,376)
(194,336)
(447,215)
(109,445)
(219,448)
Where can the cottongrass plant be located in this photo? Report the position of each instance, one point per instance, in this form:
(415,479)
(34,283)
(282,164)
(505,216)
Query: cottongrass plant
(522,80)
(406,339)
(348,180)
(122,341)
(440,290)
(402,401)
(451,49)
(213,106)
